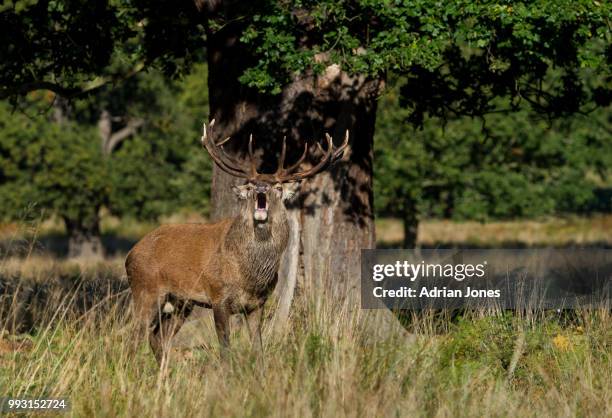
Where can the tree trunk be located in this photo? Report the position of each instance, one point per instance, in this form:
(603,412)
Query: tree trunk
(411,227)
(334,212)
(84,240)
(83,237)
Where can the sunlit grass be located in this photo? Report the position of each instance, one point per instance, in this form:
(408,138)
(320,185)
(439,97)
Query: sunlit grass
(331,359)
(573,230)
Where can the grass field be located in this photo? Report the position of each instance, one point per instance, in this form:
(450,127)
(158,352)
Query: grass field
(75,340)
(569,231)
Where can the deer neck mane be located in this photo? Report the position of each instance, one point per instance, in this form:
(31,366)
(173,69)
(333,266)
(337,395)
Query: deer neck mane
(258,248)
(246,231)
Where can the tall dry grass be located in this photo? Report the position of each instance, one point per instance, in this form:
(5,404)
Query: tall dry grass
(71,336)
(331,359)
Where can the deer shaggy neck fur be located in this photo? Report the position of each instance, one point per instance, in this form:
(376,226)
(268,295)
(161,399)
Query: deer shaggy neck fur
(258,247)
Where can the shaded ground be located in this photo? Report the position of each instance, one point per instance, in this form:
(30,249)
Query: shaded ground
(55,244)
(28,304)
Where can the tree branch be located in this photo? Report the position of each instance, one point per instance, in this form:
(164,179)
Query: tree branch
(67,92)
(116,138)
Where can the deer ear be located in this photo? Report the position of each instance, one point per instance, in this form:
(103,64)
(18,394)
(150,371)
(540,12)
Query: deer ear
(240,191)
(290,191)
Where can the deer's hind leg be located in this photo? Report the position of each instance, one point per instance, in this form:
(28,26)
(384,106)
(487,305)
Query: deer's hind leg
(171,315)
(144,304)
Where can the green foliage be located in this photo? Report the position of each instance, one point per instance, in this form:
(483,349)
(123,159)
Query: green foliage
(458,57)
(497,166)
(489,345)
(73,47)
(194,179)
(483,342)
(139,174)
(53,167)
(462,58)
(163,168)
(61,167)
(56,41)
(317,350)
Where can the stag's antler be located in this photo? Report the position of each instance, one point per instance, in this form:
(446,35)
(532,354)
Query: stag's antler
(330,156)
(231,166)
(224,161)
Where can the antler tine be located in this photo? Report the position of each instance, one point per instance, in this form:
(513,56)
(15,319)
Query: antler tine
(281,159)
(231,166)
(252,158)
(229,157)
(340,150)
(298,162)
(223,142)
(204,133)
(222,160)
(280,166)
(318,167)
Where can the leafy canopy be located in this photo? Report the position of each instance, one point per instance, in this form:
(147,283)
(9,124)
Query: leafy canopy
(495,166)
(53,167)
(457,56)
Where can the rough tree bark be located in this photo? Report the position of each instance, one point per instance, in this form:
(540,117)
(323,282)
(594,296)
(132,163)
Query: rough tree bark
(332,219)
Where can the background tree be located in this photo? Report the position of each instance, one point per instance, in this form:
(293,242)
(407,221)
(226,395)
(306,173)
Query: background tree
(55,167)
(497,166)
(90,154)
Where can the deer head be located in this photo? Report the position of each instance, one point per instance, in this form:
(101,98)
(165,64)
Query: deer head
(264,194)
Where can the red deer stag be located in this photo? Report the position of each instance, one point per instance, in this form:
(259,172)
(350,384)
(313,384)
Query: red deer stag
(229,266)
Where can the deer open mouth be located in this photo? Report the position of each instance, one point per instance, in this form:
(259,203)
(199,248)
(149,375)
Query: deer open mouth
(261,207)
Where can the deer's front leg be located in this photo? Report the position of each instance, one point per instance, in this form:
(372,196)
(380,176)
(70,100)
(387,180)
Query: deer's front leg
(221,314)
(254,322)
